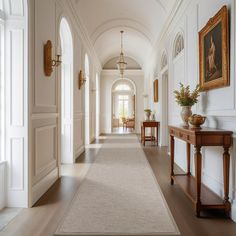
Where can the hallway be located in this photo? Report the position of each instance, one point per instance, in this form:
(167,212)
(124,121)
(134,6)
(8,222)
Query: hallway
(80,80)
(43,219)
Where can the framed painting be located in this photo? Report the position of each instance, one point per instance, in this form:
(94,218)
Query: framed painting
(155,90)
(214,52)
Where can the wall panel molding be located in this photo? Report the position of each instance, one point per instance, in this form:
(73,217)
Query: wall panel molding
(17,77)
(16,8)
(16,181)
(16,102)
(43,185)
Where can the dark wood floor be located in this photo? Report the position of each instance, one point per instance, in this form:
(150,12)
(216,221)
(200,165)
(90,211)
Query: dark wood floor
(212,223)
(44,217)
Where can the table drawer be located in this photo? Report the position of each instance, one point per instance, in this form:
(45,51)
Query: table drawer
(182,135)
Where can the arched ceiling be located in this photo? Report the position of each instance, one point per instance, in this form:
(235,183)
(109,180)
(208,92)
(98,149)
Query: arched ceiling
(142,21)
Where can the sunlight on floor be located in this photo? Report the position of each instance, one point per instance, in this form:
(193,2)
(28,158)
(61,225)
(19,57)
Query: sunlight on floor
(7,215)
(94,146)
(122,130)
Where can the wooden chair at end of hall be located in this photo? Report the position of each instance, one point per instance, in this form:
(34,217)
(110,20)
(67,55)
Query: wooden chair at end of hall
(130,123)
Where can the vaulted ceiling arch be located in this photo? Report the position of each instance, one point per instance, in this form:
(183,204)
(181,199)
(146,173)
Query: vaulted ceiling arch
(136,45)
(142,21)
(119,23)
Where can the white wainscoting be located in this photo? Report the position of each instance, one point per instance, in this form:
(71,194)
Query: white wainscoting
(78,134)
(2,184)
(44,153)
(16,103)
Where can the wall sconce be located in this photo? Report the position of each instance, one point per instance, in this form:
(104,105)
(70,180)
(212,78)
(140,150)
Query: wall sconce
(81,79)
(49,63)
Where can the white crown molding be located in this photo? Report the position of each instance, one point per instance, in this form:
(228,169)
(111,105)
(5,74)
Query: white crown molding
(82,32)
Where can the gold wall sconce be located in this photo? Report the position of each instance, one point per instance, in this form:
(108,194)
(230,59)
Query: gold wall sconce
(49,63)
(81,79)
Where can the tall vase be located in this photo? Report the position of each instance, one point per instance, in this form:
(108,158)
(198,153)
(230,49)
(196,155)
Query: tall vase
(185,114)
(147,116)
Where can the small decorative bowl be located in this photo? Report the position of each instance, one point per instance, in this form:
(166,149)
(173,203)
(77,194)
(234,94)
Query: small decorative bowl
(196,121)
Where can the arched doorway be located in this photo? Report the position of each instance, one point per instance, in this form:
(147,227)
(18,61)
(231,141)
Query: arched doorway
(97,106)
(178,70)
(165,101)
(66,93)
(123,106)
(87,99)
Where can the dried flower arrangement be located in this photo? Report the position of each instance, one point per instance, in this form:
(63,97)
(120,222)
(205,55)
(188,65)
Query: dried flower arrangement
(148,110)
(184,97)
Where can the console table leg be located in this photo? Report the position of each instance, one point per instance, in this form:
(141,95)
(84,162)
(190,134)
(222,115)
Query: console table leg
(226,164)
(141,134)
(198,173)
(144,136)
(188,158)
(157,134)
(172,153)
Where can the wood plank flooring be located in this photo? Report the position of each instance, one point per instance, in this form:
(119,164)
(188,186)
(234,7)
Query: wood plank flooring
(43,218)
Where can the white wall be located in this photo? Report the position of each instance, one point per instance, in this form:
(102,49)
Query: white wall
(218,105)
(45,94)
(44,102)
(108,77)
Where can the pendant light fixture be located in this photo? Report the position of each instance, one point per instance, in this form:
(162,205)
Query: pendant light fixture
(121,64)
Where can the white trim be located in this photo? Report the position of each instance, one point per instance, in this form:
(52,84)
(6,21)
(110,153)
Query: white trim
(79,152)
(2,184)
(2,15)
(233,211)
(39,116)
(43,185)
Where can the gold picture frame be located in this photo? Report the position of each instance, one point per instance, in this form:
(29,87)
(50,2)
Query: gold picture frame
(214,52)
(81,79)
(155,90)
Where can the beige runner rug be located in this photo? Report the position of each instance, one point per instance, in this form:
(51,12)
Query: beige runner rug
(119,195)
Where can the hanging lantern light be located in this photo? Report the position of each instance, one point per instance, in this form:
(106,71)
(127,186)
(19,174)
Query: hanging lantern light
(121,64)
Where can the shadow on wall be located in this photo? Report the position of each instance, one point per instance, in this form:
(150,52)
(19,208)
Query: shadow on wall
(204,101)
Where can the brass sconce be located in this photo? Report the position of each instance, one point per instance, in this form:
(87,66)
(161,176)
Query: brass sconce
(81,79)
(49,63)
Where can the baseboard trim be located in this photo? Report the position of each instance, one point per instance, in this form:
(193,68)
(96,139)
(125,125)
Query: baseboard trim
(92,140)
(79,152)
(43,185)
(233,211)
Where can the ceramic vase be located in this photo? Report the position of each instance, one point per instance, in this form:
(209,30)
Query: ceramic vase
(185,114)
(147,114)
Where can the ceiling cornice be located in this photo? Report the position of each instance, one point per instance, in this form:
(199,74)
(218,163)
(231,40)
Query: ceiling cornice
(83,34)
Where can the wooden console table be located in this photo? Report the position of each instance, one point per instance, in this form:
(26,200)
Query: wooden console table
(149,124)
(201,196)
